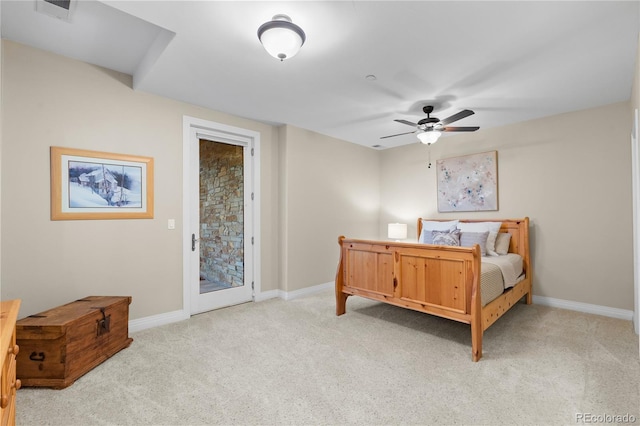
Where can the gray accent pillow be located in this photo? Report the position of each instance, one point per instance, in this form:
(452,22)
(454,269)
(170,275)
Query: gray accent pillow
(446,238)
(468,239)
(502,243)
(492,227)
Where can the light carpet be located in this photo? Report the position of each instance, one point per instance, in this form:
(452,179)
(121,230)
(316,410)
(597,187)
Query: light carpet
(296,363)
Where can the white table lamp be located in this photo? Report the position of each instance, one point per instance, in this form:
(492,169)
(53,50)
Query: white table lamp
(397,231)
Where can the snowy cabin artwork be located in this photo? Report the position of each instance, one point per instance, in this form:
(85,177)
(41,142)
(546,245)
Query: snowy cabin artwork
(108,185)
(100,185)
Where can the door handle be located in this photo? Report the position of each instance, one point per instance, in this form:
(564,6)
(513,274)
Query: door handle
(193,242)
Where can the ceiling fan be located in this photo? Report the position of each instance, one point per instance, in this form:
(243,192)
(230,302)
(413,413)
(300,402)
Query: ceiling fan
(428,129)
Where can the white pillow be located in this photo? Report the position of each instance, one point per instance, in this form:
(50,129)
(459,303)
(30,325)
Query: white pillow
(492,227)
(434,225)
(502,243)
(491,242)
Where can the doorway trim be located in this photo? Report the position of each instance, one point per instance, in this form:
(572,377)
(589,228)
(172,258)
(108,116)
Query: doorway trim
(193,128)
(635,185)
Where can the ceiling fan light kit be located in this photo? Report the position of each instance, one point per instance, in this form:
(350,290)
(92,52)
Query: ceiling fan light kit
(281,38)
(429,137)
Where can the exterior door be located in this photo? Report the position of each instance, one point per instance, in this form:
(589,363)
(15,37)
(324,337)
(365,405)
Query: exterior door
(219,251)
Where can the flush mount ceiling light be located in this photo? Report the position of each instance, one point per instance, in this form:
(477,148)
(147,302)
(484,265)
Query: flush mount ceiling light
(429,137)
(281,37)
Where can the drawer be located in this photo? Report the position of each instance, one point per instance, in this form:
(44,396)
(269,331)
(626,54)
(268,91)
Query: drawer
(8,375)
(8,386)
(9,351)
(9,414)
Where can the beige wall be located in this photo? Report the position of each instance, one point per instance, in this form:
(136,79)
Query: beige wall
(330,188)
(569,173)
(51,100)
(313,188)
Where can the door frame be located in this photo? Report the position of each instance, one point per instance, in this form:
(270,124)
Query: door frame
(192,128)
(635,185)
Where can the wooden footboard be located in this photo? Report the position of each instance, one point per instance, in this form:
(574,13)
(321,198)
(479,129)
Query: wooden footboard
(437,280)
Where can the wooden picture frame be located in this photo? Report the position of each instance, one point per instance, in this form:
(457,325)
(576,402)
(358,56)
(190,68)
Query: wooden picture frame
(468,183)
(100,185)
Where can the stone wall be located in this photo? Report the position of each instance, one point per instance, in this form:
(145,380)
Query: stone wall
(221,213)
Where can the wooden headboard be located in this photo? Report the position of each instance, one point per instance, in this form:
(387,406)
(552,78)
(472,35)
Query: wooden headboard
(518,228)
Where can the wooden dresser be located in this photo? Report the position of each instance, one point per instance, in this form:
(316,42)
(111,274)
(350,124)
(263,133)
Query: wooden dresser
(8,351)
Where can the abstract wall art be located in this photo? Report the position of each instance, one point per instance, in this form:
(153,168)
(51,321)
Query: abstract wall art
(468,183)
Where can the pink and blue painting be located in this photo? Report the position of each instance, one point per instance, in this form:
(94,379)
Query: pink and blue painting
(468,183)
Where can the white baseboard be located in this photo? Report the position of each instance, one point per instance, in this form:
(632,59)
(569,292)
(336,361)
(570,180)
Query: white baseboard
(541,300)
(288,295)
(584,307)
(175,316)
(157,320)
(266,295)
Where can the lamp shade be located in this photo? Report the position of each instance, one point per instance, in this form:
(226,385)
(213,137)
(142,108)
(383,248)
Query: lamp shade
(281,38)
(429,137)
(397,231)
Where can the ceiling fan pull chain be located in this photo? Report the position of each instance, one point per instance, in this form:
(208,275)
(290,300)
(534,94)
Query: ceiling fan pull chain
(429,150)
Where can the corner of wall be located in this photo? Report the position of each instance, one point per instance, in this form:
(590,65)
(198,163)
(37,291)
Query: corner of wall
(635,100)
(281,142)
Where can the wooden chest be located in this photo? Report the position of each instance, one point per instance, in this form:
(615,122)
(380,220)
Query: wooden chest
(60,345)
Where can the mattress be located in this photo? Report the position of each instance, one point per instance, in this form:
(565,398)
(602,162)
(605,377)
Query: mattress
(499,273)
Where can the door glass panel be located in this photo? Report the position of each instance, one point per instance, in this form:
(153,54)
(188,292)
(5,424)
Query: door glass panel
(221,216)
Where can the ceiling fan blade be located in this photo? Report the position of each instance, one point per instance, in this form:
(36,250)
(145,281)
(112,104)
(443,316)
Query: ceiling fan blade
(460,129)
(408,123)
(455,117)
(399,134)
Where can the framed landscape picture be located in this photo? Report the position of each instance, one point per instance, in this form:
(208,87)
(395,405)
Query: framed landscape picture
(100,185)
(468,183)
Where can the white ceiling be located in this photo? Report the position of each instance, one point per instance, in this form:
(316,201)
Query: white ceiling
(507,61)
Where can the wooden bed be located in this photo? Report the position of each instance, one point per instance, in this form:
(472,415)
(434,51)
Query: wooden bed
(434,279)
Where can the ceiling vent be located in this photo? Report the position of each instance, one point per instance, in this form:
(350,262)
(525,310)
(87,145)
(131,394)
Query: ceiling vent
(61,9)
